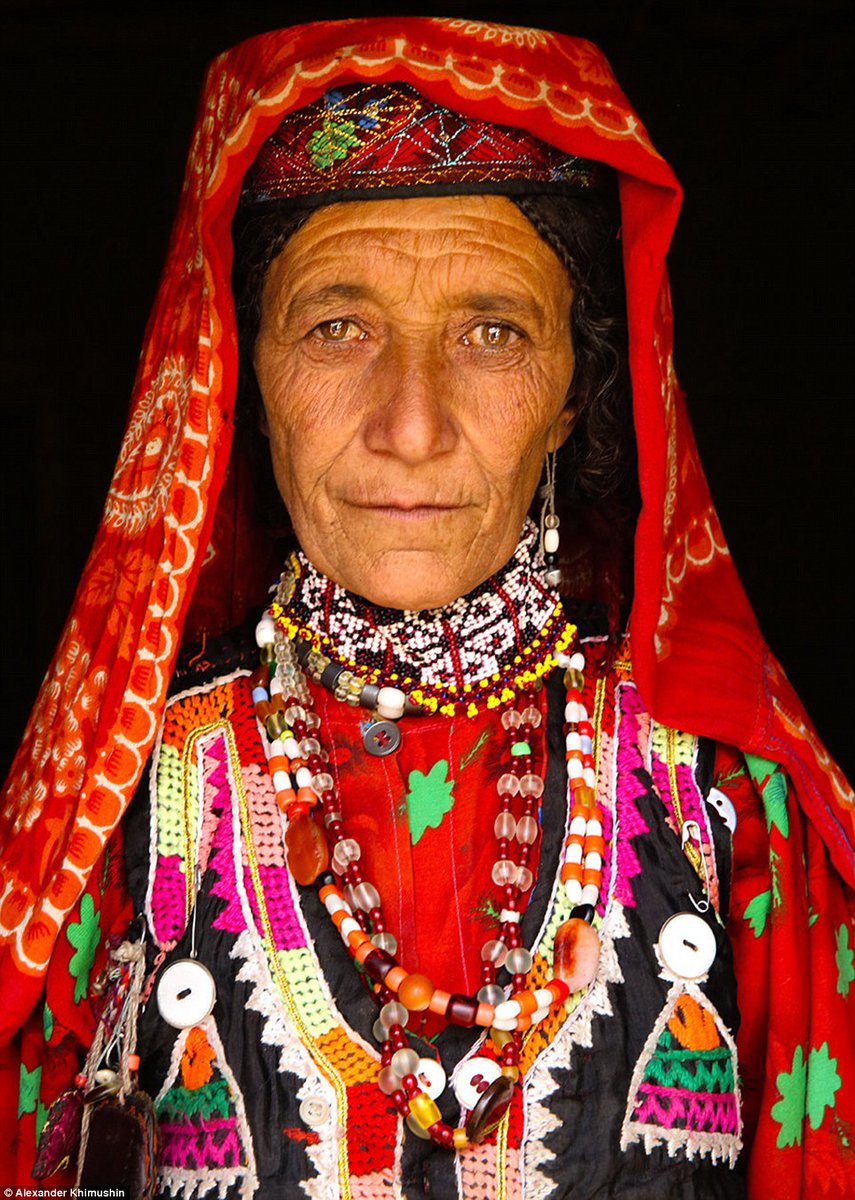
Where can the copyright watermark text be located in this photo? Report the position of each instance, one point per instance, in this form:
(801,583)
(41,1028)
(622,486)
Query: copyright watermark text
(63,1193)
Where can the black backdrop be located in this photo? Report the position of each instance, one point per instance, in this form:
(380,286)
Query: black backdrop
(750,104)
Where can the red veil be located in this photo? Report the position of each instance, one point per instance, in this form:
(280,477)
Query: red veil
(176,551)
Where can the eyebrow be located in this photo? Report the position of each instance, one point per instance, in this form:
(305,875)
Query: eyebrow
(326,295)
(502,302)
(482,302)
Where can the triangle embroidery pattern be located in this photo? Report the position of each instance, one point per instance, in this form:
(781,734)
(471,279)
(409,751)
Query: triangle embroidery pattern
(683,1093)
(205,1140)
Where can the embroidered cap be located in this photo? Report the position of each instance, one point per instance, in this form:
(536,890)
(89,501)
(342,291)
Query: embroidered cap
(368,137)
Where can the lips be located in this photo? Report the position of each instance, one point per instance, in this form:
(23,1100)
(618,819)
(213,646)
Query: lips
(409,514)
(408,505)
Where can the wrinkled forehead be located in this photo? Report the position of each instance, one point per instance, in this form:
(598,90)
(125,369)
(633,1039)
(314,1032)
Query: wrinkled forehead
(440,252)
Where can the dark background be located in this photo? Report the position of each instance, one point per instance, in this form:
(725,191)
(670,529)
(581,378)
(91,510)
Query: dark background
(749,102)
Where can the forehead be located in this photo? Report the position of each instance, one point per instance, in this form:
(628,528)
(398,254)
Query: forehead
(435,236)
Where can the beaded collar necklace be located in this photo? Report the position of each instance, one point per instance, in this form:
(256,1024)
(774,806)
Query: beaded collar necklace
(298,769)
(482,651)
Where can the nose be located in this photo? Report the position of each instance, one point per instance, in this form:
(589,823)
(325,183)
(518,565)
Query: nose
(411,418)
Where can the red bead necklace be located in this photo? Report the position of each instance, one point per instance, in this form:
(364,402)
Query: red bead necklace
(298,769)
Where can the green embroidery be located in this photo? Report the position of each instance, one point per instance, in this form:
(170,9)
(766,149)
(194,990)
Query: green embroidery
(334,140)
(845,960)
(47,1019)
(28,1092)
(774,859)
(210,1100)
(474,752)
(808,1089)
(697,1070)
(772,783)
(757,913)
(789,1111)
(823,1082)
(726,777)
(485,912)
(429,798)
(84,936)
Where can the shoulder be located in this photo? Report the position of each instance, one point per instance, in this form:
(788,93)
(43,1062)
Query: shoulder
(209,686)
(202,663)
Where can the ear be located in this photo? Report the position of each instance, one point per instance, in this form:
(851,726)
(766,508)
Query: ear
(562,427)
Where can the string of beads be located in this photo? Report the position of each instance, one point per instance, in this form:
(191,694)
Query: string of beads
(302,783)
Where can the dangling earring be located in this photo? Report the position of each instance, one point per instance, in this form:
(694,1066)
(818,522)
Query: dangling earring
(549,522)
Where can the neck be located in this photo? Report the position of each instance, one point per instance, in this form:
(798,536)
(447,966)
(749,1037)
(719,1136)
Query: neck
(476,652)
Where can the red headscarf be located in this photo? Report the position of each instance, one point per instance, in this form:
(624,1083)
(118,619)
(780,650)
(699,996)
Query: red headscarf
(176,527)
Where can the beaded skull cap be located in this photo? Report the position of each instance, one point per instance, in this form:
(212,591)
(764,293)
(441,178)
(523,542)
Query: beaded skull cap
(370,137)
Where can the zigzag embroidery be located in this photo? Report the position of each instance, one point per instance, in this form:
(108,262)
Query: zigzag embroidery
(293,1059)
(541,1083)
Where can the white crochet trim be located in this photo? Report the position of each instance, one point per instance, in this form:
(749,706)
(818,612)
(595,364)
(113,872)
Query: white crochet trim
(277,1031)
(541,1082)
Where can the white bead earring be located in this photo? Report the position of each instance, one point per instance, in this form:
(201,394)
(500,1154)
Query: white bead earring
(549,522)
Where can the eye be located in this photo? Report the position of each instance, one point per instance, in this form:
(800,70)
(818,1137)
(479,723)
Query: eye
(492,335)
(340,330)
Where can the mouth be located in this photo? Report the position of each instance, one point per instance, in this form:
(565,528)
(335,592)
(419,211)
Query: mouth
(406,510)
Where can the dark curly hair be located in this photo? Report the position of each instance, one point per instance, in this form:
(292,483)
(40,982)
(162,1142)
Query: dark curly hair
(597,482)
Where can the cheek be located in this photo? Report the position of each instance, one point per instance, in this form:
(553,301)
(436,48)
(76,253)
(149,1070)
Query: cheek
(508,419)
(308,415)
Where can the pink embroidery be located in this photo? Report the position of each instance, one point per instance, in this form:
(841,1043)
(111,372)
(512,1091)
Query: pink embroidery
(200,1143)
(674,1108)
(286,928)
(169,899)
(631,787)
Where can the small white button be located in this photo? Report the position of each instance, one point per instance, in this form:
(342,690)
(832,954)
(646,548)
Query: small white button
(687,946)
(186,993)
(431,1076)
(473,1079)
(314,1112)
(724,807)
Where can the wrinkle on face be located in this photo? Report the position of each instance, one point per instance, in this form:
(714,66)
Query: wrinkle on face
(406,448)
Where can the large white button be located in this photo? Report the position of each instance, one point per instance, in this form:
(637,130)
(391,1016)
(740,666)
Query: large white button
(724,806)
(431,1076)
(314,1112)
(186,993)
(473,1079)
(687,946)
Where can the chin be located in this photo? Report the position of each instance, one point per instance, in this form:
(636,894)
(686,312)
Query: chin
(405,581)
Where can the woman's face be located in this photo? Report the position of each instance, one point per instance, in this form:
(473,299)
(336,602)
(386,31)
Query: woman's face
(414,358)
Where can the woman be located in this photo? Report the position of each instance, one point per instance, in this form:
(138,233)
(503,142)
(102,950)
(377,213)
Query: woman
(506,795)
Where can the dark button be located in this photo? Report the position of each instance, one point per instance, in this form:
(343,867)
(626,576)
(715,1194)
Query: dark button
(382,738)
(490,1109)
